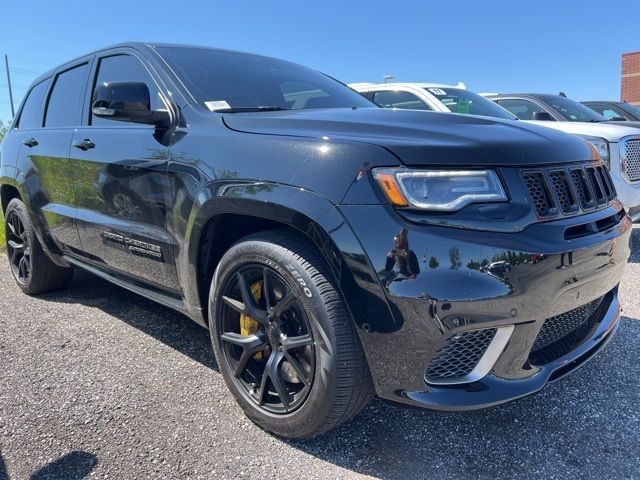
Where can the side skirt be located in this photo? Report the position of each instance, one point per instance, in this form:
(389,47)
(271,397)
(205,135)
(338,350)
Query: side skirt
(166,299)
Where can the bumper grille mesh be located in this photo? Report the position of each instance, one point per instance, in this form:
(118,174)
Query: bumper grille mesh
(558,327)
(631,153)
(460,354)
(564,191)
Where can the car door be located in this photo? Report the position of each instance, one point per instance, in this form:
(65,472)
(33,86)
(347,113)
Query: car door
(44,156)
(123,191)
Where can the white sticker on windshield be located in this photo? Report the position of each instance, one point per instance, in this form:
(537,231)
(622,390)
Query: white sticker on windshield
(437,91)
(217,105)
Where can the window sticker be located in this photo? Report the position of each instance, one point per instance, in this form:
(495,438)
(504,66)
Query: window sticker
(216,105)
(437,91)
(463,105)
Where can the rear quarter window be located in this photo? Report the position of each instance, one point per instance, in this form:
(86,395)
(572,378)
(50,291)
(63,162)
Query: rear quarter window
(31,115)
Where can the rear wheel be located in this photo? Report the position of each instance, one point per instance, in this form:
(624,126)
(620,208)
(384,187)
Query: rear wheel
(32,270)
(286,347)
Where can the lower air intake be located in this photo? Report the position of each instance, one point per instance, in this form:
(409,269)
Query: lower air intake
(459,355)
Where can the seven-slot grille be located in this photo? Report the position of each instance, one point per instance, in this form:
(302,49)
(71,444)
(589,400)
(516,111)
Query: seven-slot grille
(564,191)
(460,354)
(630,152)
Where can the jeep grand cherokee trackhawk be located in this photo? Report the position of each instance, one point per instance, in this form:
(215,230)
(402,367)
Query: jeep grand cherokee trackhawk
(333,249)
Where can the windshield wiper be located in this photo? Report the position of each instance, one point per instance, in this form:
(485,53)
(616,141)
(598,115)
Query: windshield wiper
(262,108)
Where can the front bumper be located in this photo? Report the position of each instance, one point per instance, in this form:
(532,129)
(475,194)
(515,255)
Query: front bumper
(628,193)
(450,280)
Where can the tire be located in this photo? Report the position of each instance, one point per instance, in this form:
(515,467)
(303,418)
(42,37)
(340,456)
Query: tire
(33,271)
(340,384)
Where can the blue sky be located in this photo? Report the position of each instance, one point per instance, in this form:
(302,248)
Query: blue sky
(501,45)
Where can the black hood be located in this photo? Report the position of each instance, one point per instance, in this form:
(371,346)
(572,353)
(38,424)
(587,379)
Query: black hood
(424,138)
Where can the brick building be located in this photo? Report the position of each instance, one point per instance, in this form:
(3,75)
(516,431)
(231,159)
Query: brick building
(630,85)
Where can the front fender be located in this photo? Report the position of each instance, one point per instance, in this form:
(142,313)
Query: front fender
(293,207)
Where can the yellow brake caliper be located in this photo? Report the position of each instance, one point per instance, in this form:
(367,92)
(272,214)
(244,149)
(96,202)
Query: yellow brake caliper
(249,326)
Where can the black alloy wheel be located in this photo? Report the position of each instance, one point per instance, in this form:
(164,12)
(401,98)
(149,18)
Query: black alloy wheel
(274,364)
(18,248)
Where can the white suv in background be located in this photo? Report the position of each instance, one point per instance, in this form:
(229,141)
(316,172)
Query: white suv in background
(617,142)
(436,97)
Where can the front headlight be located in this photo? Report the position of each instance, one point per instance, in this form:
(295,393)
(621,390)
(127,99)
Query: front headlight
(602,146)
(439,190)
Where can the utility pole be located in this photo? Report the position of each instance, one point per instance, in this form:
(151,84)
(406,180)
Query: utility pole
(6,64)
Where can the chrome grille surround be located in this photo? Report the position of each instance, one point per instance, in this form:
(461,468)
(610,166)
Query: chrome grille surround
(467,356)
(630,158)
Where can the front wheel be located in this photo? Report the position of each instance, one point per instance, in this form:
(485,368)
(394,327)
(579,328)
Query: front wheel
(283,339)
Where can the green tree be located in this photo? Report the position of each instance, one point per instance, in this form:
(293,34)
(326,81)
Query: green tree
(3,130)
(433,262)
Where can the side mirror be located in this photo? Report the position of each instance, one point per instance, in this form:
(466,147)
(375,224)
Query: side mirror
(542,116)
(617,119)
(126,102)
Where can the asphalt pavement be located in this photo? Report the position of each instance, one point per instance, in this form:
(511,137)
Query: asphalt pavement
(97,382)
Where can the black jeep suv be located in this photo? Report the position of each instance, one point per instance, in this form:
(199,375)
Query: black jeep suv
(333,249)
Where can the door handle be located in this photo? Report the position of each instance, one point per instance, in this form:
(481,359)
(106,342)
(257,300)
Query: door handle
(32,142)
(84,145)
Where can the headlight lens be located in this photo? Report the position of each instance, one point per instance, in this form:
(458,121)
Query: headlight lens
(439,190)
(602,146)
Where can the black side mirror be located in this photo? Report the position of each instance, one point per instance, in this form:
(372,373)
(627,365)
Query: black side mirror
(542,116)
(126,102)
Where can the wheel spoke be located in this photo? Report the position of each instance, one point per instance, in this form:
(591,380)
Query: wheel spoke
(23,270)
(12,228)
(283,305)
(289,343)
(266,285)
(251,344)
(272,373)
(14,257)
(15,245)
(249,302)
(234,304)
(297,366)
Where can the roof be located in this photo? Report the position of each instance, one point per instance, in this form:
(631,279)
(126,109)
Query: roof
(408,84)
(137,46)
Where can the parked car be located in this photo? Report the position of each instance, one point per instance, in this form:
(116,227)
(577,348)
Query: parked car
(615,110)
(436,97)
(617,142)
(332,248)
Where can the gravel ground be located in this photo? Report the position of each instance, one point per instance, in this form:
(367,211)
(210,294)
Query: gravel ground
(96,381)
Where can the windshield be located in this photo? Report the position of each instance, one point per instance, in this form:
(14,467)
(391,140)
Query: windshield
(458,100)
(222,80)
(632,109)
(570,109)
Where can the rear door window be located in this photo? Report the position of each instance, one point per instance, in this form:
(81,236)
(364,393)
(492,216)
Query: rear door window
(399,99)
(31,115)
(64,108)
(523,109)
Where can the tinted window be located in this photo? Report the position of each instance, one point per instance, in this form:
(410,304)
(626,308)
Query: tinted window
(124,68)
(609,111)
(571,110)
(65,101)
(523,109)
(31,116)
(217,78)
(399,99)
(458,100)
(632,109)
